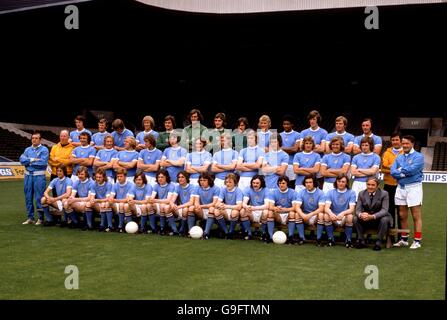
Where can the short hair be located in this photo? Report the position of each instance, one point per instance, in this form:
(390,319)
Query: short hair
(314,180)
(103,120)
(367,119)
(233,177)
(170,118)
(109,137)
(165,173)
(283,178)
(140,174)
(63,167)
(338,139)
(202,140)
(132,143)
(288,118)
(222,116)
(185,174)
(86,134)
(207,176)
(309,138)
(260,177)
(151,120)
(121,171)
(266,118)
(117,124)
(80,118)
(339,177)
(243,120)
(396,134)
(369,141)
(174,134)
(314,114)
(252,132)
(409,137)
(276,136)
(342,118)
(150,138)
(199,114)
(376,179)
(85,170)
(102,172)
(36,133)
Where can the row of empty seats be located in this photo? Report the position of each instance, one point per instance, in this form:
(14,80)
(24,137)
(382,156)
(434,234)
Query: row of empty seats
(440,157)
(12,145)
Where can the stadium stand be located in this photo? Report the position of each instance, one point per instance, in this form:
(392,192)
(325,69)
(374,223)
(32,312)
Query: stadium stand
(48,135)
(12,145)
(440,157)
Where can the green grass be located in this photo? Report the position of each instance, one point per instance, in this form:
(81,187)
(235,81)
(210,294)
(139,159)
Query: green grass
(121,266)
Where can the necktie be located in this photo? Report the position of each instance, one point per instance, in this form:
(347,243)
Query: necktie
(371,197)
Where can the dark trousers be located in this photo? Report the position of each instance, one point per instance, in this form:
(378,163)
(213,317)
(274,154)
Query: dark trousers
(393,209)
(381,225)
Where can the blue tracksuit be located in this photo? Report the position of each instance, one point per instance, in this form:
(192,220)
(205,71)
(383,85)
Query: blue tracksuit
(35,161)
(407,168)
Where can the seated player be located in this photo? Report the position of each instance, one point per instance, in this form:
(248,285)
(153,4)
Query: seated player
(255,206)
(148,124)
(161,200)
(364,165)
(339,210)
(275,162)
(78,199)
(99,200)
(98,137)
(127,158)
(174,157)
(138,199)
(224,161)
(205,197)
(83,155)
(118,197)
(334,164)
(249,161)
(149,159)
(229,205)
(182,203)
(62,185)
(310,203)
(306,163)
(198,161)
(105,159)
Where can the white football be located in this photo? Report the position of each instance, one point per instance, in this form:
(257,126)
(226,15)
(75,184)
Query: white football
(131,227)
(196,232)
(279,237)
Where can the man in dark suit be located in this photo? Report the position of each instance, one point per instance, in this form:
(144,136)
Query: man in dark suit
(372,213)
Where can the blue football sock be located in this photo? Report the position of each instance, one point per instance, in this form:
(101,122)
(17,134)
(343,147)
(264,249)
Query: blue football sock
(120,220)
(233,224)
(330,231)
(291,228)
(246,226)
(264,228)
(153,221)
(320,228)
(48,215)
(271,227)
(128,219)
(209,225)
(74,217)
(171,221)
(182,226)
(103,220)
(222,224)
(109,215)
(162,222)
(143,223)
(348,233)
(300,228)
(65,217)
(191,221)
(89,217)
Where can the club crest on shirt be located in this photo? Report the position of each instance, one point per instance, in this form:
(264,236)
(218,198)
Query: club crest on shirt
(336,161)
(311,200)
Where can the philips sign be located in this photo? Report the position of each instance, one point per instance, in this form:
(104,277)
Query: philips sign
(435,177)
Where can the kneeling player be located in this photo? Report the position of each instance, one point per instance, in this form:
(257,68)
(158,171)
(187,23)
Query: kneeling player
(255,205)
(99,199)
(118,197)
(63,185)
(339,210)
(182,202)
(309,208)
(138,199)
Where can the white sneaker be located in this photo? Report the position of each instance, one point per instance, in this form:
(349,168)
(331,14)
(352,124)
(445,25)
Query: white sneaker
(401,243)
(415,245)
(39,222)
(28,221)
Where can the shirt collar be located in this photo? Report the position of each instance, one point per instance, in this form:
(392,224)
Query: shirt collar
(313,191)
(37,146)
(314,130)
(339,191)
(292,131)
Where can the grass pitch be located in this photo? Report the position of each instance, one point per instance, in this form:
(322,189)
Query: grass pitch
(122,266)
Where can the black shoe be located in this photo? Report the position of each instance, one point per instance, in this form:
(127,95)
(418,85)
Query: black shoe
(73,225)
(205,237)
(161,232)
(330,243)
(230,236)
(290,240)
(377,247)
(175,234)
(111,229)
(120,230)
(300,242)
(264,237)
(48,223)
(84,228)
(101,229)
(360,245)
(63,224)
(348,244)
(318,244)
(248,237)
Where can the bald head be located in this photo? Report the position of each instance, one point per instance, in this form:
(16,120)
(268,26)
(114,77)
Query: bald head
(64,136)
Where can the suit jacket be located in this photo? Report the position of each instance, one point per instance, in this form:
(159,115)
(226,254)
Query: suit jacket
(378,207)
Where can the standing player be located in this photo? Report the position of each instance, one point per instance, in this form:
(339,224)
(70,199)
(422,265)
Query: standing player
(255,206)
(183,203)
(98,137)
(264,132)
(224,161)
(239,135)
(340,131)
(174,157)
(99,195)
(118,197)
(127,158)
(334,164)
(194,130)
(148,124)
(105,159)
(318,134)
(138,199)
(310,203)
(198,161)
(339,210)
(74,135)
(364,165)
(306,162)
(35,161)
(366,128)
(250,160)
(205,197)
(163,137)
(275,162)
(84,155)
(290,145)
(149,159)
(407,170)
(282,202)
(220,122)
(119,134)
(63,185)
(228,205)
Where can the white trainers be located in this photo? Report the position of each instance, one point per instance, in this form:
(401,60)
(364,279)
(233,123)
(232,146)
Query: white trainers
(401,243)
(28,221)
(39,222)
(415,245)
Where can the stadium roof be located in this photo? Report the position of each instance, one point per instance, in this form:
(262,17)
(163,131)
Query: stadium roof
(7,6)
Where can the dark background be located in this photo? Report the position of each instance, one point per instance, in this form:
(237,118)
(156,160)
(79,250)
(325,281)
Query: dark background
(137,60)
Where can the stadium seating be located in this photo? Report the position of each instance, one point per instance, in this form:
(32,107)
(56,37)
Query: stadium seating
(48,135)
(440,157)
(12,144)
